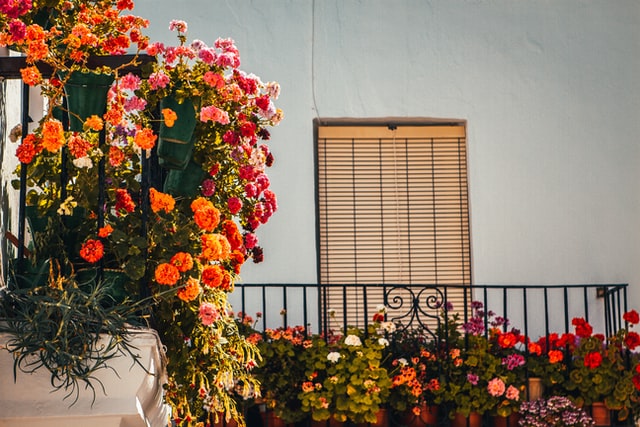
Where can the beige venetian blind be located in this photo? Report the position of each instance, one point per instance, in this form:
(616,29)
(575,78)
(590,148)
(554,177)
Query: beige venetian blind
(392,209)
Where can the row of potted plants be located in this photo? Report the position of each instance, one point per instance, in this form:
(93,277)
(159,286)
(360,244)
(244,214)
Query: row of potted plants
(478,367)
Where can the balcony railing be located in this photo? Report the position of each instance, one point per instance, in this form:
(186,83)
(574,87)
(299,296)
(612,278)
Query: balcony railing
(535,310)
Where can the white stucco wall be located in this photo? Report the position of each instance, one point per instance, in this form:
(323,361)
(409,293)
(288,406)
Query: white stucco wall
(550,91)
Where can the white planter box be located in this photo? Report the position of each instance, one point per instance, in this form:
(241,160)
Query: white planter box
(134,399)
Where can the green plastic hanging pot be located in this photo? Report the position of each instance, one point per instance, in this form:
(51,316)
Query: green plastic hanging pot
(175,144)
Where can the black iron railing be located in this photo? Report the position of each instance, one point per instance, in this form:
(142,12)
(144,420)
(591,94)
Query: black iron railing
(536,310)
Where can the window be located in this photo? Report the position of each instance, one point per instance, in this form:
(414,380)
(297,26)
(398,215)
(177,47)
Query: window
(392,209)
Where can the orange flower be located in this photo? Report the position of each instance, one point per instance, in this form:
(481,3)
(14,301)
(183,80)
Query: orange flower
(170,117)
(161,201)
(207,218)
(78,146)
(116,156)
(555,356)
(114,114)
(182,261)
(190,291)
(230,230)
(31,75)
(215,247)
(167,274)
(212,276)
(145,139)
(52,135)
(92,250)
(94,123)
(105,231)
(200,203)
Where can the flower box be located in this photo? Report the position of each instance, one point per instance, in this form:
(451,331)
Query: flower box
(131,397)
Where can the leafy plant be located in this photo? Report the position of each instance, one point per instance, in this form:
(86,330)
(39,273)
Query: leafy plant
(72,329)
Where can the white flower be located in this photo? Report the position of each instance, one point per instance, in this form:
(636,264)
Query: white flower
(389,327)
(83,162)
(331,312)
(383,342)
(402,361)
(352,340)
(333,357)
(380,308)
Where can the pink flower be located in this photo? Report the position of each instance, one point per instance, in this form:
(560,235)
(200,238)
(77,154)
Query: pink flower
(213,79)
(208,187)
(178,25)
(234,204)
(496,387)
(250,240)
(130,82)
(251,190)
(208,313)
(134,104)
(207,55)
(213,113)
(18,29)
(512,393)
(158,80)
(155,48)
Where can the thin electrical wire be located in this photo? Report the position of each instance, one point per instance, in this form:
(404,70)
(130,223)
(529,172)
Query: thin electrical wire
(313,67)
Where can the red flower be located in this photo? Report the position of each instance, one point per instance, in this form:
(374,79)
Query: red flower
(555,356)
(583,328)
(632,340)
(507,340)
(636,381)
(92,250)
(378,317)
(593,360)
(631,317)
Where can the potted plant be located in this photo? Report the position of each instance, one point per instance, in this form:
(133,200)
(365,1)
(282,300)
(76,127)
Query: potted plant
(413,368)
(473,377)
(280,372)
(345,377)
(545,365)
(600,371)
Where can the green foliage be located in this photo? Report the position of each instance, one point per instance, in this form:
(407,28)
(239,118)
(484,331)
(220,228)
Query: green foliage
(70,328)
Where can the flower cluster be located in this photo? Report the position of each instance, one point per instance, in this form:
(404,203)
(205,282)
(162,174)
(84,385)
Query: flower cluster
(179,252)
(557,411)
(280,373)
(345,378)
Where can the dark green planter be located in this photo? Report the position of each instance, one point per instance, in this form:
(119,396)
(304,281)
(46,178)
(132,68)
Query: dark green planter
(184,182)
(86,95)
(175,144)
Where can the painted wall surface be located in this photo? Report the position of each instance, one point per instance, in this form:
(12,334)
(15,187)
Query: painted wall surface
(550,90)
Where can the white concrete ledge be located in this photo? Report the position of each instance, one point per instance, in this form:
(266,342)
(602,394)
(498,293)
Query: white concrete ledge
(134,399)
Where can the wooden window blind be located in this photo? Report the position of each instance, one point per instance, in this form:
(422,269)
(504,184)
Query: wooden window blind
(392,209)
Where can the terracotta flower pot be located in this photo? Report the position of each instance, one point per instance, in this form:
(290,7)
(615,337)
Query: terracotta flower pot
(473,420)
(509,421)
(428,417)
(601,414)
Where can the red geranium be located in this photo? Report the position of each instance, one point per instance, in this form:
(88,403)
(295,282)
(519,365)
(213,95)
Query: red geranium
(631,317)
(583,328)
(593,360)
